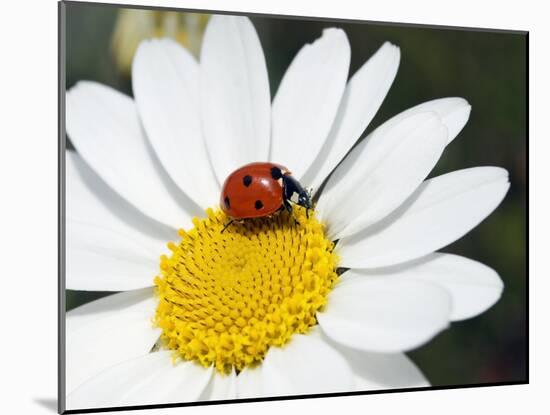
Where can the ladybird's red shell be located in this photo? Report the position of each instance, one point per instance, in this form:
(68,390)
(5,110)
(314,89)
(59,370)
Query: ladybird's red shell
(251,191)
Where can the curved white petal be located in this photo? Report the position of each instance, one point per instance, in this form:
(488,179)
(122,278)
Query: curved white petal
(380,371)
(165,82)
(235,98)
(454,111)
(90,200)
(307,101)
(249,383)
(220,387)
(380,173)
(104,126)
(110,245)
(473,286)
(385,316)
(147,380)
(99,259)
(442,210)
(306,365)
(108,331)
(362,98)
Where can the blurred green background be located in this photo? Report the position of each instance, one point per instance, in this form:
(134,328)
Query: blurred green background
(486,68)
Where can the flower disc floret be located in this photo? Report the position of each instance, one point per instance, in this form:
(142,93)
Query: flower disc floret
(226,297)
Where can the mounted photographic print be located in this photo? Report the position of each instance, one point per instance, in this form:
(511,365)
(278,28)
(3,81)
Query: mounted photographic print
(258,207)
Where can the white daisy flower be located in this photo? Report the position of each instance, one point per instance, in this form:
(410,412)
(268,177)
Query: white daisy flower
(269,307)
(132,26)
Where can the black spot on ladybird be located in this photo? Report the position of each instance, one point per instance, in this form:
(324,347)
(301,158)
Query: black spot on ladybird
(247,180)
(258,205)
(276,173)
(227,204)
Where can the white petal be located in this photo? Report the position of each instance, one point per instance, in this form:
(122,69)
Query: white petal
(104,126)
(110,245)
(376,371)
(379,371)
(441,211)
(385,316)
(473,286)
(306,365)
(307,101)
(235,98)
(381,172)
(106,332)
(454,112)
(249,383)
(165,81)
(363,96)
(147,380)
(90,200)
(103,260)
(221,387)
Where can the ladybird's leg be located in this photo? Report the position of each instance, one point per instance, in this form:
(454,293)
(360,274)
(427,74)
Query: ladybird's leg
(288,190)
(288,207)
(227,224)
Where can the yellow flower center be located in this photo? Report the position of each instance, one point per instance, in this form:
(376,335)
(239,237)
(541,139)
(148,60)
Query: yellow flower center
(226,297)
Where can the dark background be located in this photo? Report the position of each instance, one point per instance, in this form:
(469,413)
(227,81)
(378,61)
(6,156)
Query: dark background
(486,68)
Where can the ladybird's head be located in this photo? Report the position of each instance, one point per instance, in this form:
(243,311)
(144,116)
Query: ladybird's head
(304,199)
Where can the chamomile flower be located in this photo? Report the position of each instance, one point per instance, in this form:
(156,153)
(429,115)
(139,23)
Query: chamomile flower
(283,305)
(132,26)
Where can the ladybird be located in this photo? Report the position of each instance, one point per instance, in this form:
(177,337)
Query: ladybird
(261,189)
